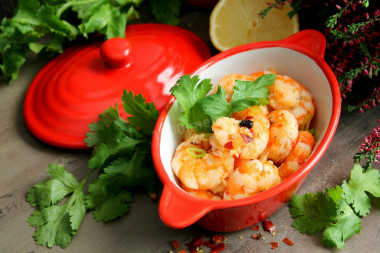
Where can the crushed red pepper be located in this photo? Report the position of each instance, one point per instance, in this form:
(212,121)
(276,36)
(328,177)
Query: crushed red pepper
(269,226)
(274,245)
(175,245)
(182,251)
(256,236)
(257,228)
(229,145)
(246,138)
(288,241)
(215,244)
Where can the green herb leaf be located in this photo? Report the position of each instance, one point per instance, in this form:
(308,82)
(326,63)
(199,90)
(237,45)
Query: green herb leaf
(344,225)
(166,11)
(104,193)
(312,212)
(52,190)
(332,211)
(216,105)
(246,94)
(143,115)
(57,224)
(189,90)
(356,188)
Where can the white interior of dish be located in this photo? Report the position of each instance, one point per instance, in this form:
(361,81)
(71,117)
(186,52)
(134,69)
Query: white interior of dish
(286,62)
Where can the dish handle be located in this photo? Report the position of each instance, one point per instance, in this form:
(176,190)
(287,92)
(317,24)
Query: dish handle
(310,41)
(179,209)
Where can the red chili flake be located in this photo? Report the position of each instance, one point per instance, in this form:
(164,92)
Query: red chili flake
(216,243)
(269,226)
(246,138)
(182,251)
(257,228)
(175,245)
(274,245)
(288,241)
(153,196)
(218,238)
(256,236)
(218,248)
(229,145)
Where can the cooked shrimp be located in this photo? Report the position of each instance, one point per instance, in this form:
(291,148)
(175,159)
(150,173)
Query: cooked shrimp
(243,142)
(203,194)
(250,178)
(288,94)
(200,172)
(283,133)
(298,155)
(229,135)
(260,131)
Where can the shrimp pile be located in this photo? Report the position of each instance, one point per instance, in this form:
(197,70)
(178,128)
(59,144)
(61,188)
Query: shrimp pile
(252,151)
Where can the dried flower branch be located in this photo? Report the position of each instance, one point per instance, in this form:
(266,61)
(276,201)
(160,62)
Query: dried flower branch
(352,31)
(369,149)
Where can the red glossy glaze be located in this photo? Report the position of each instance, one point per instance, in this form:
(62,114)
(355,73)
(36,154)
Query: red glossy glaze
(71,91)
(178,209)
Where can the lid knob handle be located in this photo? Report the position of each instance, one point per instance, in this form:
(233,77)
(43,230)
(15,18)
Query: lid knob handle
(115,52)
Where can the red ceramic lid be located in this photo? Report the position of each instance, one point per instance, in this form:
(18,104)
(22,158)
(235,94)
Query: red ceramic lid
(72,89)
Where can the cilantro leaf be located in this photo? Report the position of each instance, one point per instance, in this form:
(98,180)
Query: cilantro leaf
(312,212)
(249,93)
(216,105)
(345,224)
(356,188)
(166,11)
(109,127)
(121,174)
(188,90)
(113,207)
(196,119)
(57,224)
(246,94)
(337,211)
(52,190)
(122,156)
(143,115)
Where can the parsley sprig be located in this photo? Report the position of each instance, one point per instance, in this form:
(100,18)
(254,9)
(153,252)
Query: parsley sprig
(200,110)
(122,158)
(338,211)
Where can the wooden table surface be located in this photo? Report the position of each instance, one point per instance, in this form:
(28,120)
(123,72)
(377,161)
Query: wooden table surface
(24,161)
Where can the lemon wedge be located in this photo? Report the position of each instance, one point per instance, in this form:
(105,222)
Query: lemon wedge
(237,22)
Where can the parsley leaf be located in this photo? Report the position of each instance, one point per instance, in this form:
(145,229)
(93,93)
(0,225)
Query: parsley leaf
(337,212)
(106,193)
(189,90)
(216,105)
(360,183)
(345,224)
(52,190)
(57,224)
(144,115)
(166,11)
(199,110)
(246,94)
(312,212)
(122,157)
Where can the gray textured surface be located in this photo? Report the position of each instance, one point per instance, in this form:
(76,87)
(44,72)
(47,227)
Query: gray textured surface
(24,160)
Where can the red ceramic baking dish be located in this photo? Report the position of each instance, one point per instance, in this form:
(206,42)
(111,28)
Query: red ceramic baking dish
(300,56)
